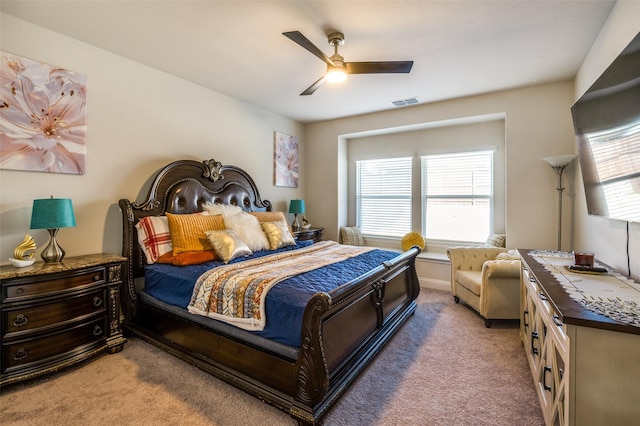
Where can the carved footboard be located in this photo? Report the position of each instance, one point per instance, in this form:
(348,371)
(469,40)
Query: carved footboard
(343,331)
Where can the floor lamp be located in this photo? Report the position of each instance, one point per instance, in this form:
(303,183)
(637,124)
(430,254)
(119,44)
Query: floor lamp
(558,165)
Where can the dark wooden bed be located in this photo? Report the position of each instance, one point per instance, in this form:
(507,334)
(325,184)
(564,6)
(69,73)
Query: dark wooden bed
(342,330)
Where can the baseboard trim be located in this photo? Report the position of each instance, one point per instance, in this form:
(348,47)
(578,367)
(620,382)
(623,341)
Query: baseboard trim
(435,284)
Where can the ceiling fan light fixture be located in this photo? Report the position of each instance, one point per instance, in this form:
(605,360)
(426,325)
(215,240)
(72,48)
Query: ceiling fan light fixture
(336,74)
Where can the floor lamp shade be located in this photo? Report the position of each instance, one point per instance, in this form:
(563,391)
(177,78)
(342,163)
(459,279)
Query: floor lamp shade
(296,207)
(52,214)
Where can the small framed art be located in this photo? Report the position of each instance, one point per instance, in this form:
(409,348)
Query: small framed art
(285,160)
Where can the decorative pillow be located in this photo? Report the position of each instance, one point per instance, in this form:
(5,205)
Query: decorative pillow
(351,235)
(227,244)
(496,240)
(154,237)
(188,231)
(223,209)
(272,217)
(269,216)
(412,239)
(188,257)
(508,255)
(278,234)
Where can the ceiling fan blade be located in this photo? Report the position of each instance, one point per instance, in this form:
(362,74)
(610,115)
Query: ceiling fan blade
(379,67)
(297,37)
(313,87)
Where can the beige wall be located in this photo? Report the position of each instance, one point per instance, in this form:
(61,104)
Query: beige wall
(608,238)
(537,124)
(139,119)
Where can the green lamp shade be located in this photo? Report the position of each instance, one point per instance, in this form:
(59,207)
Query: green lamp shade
(52,213)
(296,206)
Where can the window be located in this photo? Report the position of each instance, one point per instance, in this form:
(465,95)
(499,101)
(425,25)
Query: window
(383,196)
(457,194)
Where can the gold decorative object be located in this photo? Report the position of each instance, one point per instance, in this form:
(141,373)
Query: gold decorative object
(305,223)
(20,256)
(28,244)
(412,239)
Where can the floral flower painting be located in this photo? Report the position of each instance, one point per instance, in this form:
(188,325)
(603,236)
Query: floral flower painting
(286,160)
(42,117)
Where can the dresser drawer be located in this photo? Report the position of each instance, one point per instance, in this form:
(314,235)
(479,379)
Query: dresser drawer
(52,348)
(42,286)
(20,321)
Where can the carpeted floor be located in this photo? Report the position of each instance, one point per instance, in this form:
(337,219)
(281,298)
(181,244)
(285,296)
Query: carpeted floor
(443,368)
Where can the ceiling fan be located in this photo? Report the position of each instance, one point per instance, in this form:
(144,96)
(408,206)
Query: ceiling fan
(337,68)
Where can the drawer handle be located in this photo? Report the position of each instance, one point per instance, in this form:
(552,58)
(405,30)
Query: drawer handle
(556,321)
(20,320)
(542,296)
(97,330)
(19,290)
(97,301)
(546,370)
(525,316)
(534,336)
(21,354)
(96,277)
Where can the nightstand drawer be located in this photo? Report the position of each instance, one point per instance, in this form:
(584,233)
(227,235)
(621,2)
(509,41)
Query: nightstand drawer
(44,287)
(29,353)
(32,319)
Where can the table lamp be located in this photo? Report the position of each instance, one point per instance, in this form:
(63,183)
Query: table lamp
(296,207)
(52,214)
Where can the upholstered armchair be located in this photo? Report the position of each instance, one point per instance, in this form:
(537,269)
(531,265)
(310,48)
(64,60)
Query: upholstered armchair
(487,279)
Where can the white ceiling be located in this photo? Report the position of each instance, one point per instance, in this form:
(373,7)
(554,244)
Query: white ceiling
(459,48)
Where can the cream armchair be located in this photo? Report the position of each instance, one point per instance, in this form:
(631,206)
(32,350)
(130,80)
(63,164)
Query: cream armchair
(488,285)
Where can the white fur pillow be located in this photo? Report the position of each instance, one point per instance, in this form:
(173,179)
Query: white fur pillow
(246,226)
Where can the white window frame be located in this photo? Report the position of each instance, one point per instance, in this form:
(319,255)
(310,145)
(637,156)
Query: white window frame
(455,194)
(395,196)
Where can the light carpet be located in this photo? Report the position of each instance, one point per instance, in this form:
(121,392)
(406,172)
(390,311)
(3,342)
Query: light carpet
(442,368)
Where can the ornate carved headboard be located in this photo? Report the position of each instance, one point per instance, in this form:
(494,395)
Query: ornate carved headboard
(184,187)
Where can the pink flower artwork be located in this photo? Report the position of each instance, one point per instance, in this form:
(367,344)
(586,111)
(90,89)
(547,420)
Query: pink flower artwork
(286,160)
(42,117)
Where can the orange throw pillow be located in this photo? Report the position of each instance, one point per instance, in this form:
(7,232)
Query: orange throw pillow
(188,231)
(188,258)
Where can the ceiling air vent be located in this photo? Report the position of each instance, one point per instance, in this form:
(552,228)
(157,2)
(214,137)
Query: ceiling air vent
(405,102)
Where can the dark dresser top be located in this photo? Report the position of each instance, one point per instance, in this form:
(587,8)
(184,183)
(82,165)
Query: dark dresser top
(67,264)
(570,310)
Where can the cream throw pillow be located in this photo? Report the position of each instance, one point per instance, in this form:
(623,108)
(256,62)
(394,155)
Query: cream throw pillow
(246,226)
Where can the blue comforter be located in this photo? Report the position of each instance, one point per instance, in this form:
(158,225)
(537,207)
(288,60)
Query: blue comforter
(286,301)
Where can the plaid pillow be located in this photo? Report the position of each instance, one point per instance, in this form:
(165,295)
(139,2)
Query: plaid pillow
(351,235)
(154,237)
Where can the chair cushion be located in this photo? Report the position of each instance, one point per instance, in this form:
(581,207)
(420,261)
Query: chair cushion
(471,280)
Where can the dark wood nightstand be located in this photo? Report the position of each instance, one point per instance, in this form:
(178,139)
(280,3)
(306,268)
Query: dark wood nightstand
(55,315)
(314,234)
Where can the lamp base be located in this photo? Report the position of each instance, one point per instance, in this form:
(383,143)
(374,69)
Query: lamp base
(52,253)
(295,225)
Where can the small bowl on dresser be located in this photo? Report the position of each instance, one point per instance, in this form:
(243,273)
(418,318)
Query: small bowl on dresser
(21,263)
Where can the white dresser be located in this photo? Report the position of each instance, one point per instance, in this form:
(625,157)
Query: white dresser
(581,334)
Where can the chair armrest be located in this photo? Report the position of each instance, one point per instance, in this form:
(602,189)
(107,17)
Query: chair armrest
(501,269)
(471,258)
